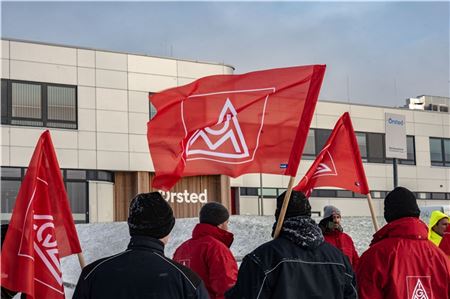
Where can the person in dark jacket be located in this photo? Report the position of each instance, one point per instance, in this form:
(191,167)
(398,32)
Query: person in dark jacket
(142,271)
(208,252)
(401,262)
(334,233)
(298,264)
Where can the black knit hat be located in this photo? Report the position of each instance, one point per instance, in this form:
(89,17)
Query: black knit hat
(400,203)
(213,213)
(150,215)
(298,205)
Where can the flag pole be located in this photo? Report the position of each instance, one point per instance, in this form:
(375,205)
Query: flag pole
(372,212)
(287,196)
(81,260)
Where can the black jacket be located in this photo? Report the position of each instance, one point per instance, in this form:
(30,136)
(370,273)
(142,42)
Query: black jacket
(142,271)
(298,264)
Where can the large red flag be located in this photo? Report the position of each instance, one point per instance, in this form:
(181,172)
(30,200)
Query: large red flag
(233,124)
(339,163)
(41,230)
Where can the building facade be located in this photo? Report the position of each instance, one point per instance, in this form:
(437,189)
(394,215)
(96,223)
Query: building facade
(95,104)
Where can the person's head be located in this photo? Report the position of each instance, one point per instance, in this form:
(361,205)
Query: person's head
(439,222)
(400,203)
(215,214)
(150,215)
(298,205)
(333,213)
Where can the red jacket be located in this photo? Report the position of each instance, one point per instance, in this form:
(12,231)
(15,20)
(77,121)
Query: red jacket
(402,263)
(344,243)
(445,243)
(208,254)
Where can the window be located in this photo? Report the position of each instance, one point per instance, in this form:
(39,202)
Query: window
(321,138)
(440,151)
(375,148)
(362,144)
(151,108)
(310,146)
(39,104)
(410,152)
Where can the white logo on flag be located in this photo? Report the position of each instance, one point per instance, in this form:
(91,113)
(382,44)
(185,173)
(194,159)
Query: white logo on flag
(419,291)
(327,168)
(227,115)
(226,141)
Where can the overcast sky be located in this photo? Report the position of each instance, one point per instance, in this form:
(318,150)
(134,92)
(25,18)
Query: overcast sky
(377,53)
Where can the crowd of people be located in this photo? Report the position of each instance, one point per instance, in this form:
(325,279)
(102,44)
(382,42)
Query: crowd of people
(307,260)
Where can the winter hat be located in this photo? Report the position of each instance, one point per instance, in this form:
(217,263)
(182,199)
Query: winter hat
(150,215)
(213,213)
(298,205)
(400,203)
(330,210)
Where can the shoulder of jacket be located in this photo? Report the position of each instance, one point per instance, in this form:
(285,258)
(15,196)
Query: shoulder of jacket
(98,264)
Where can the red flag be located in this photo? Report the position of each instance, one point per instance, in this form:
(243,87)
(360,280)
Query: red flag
(41,230)
(338,164)
(233,124)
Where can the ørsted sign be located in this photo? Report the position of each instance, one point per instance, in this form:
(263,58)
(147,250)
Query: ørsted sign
(395,126)
(185,197)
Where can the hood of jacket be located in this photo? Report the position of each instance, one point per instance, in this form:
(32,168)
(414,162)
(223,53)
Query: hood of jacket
(204,229)
(434,219)
(405,228)
(302,231)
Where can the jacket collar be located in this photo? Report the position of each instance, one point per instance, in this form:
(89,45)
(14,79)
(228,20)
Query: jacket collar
(204,229)
(405,228)
(146,243)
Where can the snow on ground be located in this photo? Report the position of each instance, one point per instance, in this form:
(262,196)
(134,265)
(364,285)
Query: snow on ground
(104,239)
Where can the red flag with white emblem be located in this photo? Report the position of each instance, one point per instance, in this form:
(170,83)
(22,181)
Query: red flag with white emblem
(339,163)
(233,124)
(41,230)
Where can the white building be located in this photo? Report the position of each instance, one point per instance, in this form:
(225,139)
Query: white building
(95,104)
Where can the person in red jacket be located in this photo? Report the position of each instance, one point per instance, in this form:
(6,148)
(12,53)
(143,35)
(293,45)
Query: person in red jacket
(445,243)
(334,234)
(208,251)
(401,262)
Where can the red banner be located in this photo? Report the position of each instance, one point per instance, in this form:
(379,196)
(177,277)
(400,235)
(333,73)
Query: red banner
(339,163)
(233,124)
(41,230)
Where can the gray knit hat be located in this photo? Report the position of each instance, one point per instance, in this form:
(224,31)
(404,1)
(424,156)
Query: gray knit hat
(330,210)
(213,213)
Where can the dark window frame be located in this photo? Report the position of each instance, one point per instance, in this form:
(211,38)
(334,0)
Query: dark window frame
(444,162)
(44,120)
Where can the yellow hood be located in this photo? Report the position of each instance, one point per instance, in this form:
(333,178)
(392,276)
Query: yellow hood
(434,218)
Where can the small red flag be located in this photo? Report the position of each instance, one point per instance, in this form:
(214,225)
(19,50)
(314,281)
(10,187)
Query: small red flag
(233,124)
(41,230)
(338,164)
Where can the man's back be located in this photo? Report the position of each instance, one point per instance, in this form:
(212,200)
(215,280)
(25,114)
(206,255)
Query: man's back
(403,263)
(283,268)
(142,271)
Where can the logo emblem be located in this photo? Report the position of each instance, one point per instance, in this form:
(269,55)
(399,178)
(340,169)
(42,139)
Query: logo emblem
(227,139)
(419,287)
(326,167)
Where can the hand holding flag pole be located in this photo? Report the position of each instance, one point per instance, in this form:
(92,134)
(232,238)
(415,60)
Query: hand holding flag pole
(339,165)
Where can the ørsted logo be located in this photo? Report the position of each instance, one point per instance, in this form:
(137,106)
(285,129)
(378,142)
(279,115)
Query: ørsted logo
(185,197)
(393,121)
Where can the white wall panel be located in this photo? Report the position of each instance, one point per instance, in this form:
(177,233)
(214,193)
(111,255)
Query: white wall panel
(111,79)
(428,130)
(112,160)
(112,142)
(86,119)
(428,185)
(197,70)
(428,117)
(5,131)
(334,109)
(5,68)
(366,112)
(43,53)
(86,58)
(326,121)
(138,123)
(111,61)
(20,156)
(5,49)
(64,139)
(112,99)
(105,198)
(368,125)
(185,81)
(150,83)
(138,143)
(87,140)
(138,102)
(5,155)
(140,161)
(112,121)
(86,97)
(33,71)
(67,158)
(25,136)
(152,65)
(87,159)
(86,76)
